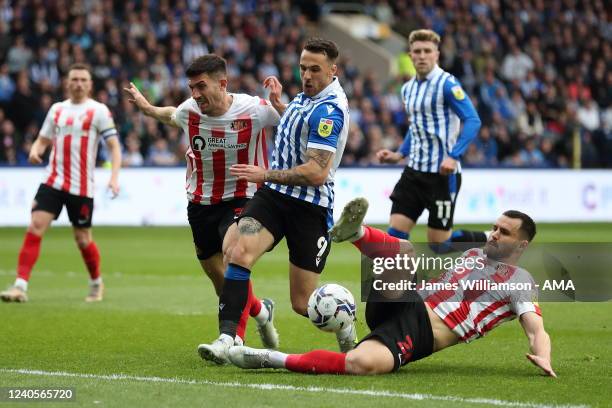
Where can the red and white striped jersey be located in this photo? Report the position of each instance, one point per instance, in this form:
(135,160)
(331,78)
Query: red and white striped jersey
(75,130)
(473,301)
(217,142)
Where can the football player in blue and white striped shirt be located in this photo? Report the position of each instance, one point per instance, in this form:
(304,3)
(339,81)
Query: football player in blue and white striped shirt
(434,144)
(297,198)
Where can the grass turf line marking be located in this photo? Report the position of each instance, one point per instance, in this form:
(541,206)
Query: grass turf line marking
(346,391)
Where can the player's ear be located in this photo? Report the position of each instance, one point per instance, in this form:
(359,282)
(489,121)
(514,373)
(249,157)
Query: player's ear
(523,245)
(223,83)
(334,69)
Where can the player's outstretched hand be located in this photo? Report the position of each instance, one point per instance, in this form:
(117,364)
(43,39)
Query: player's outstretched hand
(254,174)
(543,363)
(387,156)
(136,97)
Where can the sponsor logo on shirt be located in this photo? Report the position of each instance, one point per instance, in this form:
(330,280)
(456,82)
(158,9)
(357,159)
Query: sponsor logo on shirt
(214,143)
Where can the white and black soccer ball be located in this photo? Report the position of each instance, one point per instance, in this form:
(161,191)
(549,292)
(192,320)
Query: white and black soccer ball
(331,307)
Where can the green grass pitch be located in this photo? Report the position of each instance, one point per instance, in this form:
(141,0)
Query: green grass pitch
(138,347)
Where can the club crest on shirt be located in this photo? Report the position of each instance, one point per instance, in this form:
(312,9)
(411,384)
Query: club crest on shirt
(239,124)
(458,92)
(325,127)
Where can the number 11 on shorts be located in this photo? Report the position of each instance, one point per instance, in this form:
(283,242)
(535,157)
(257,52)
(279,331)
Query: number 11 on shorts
(444,209)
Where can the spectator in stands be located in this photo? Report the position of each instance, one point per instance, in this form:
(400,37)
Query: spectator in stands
(503,53)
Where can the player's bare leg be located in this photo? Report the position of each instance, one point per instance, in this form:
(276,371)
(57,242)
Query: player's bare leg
(91,256)
(30,249)
(253,242)
(400,226)
(213,268)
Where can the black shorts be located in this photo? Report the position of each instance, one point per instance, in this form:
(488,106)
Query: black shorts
(403,327)
(80,208)
(303,224)
(417,190)
(209,223)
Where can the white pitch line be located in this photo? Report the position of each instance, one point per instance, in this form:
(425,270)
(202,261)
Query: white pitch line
(346,391)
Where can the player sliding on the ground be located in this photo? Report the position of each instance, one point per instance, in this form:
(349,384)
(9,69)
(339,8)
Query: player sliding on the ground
(224,129)
(429,320)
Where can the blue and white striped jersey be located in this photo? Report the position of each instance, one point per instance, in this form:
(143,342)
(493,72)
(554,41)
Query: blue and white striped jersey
(436,106)
(318,122)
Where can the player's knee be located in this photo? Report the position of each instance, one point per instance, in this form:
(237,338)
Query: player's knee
(82,238)
(241,256)
(360,364)
(82,241)
(37,227)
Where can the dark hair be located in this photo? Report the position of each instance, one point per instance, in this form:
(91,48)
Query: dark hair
(206,64)
(80,65)
(321,46)
(527,225)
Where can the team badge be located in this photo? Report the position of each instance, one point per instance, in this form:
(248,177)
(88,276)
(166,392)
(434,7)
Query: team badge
(458,92)
(325,127)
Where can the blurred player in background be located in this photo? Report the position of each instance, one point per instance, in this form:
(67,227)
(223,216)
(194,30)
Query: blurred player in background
(430,319)
(297,199)
(74,128)
(224,129)
(436,105)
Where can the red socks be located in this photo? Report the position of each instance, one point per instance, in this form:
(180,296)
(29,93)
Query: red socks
(254,302)
(317,362)
(91,256)
(377,243)
(252,309)
(28,255)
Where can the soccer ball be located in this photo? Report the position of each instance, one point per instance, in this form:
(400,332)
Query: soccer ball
(331,307)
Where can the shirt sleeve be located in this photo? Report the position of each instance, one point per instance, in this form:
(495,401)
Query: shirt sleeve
(269,116)
(526,300)
(104,123)
(325,125)
(180,116)
(462,106)
(47,129)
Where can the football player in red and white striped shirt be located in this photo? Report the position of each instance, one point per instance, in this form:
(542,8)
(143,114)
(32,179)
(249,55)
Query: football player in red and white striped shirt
(223,129)
(430,320)
(73,128)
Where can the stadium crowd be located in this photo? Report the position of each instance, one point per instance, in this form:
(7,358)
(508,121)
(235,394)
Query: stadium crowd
(537,71)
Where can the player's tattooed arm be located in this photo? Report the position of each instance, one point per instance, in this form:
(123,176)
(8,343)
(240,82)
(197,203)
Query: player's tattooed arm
(249,226)
(312,173)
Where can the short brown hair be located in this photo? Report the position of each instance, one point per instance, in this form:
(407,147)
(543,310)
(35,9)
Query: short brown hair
(424,35)
(80,66)
(321,46)
(206,64)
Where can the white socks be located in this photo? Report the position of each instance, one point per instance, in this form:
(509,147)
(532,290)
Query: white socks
(21,284)
(277,359)
(263,315)
(96,281)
